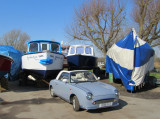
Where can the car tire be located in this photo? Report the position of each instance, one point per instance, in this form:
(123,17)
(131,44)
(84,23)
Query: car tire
(52,92)
(75,103)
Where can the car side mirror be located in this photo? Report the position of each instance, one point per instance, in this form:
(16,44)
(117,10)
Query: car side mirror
(99,78)
(65,80)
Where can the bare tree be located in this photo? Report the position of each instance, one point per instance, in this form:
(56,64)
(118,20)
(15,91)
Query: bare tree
(147,15)
(98,21)
(16,38)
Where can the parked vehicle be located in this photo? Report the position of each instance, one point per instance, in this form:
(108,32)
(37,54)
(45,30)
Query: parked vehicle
(43,59)
(82,89)
(5,64)
(81,57)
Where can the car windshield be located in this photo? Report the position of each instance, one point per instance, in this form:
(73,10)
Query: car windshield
(77,77)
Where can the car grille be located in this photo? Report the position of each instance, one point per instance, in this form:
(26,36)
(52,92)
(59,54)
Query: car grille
(104,101)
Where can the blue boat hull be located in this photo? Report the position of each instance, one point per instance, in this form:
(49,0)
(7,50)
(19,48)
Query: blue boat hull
(82,62)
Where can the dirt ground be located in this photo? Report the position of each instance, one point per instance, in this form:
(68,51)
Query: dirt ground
(29,102)
(146,92)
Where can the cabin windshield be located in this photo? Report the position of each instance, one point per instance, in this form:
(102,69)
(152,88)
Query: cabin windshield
(33,47)
(88,50)
(80,50)
(43,46)
(72,50)
(55,47)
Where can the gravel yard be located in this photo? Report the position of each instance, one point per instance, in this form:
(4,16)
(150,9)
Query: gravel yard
(29,102)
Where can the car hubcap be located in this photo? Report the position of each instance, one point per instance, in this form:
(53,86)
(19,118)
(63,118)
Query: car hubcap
(52,91)
(74,103)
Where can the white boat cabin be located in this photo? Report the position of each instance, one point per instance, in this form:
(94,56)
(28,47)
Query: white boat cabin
(81,50)
(43,45)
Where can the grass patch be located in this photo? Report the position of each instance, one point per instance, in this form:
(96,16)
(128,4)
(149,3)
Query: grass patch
(157,75)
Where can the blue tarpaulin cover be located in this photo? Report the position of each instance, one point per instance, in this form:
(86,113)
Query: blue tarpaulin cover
(16,56)
(130,59)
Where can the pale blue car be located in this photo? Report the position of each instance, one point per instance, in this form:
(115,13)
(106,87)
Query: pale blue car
(82,89)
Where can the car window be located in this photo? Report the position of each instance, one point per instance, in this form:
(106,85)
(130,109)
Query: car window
(82,77)
(64,75)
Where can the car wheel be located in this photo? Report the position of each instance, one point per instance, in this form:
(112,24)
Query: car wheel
(75,102)
(52,92)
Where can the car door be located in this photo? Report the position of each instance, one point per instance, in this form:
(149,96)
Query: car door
(63,88)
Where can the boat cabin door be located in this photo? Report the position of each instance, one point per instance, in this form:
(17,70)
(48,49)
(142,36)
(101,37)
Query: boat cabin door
(44,46)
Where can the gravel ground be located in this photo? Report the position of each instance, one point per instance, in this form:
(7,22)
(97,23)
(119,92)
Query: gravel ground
(29,102)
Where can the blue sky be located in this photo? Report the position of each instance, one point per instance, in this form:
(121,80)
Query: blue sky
(41,19)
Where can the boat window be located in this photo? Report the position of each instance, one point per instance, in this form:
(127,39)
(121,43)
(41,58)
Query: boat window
(44,46)
(33,47)
(72,50)
(54,47)
(88,50)
(80,50)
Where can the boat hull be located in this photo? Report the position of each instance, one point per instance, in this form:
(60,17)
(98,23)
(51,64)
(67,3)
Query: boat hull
(43,64)
(42,74)
(5,64)
(82,62)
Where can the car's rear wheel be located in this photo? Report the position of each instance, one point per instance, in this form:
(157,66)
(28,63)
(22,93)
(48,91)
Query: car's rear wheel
(76,105)
(52,92)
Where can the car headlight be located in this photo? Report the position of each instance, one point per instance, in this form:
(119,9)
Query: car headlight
(89,96)
(116,92)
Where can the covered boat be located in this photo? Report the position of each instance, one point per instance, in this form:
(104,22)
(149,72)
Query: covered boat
(15,54)
(43,59)
(81,57)
(5,64)
(130,59)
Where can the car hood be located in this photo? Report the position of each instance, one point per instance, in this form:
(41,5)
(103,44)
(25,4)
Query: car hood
(96,88)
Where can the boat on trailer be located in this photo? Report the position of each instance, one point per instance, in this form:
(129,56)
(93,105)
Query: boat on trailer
(81,57)
(43,59)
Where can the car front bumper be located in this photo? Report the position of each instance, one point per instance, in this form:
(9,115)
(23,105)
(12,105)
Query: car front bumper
(103,103)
